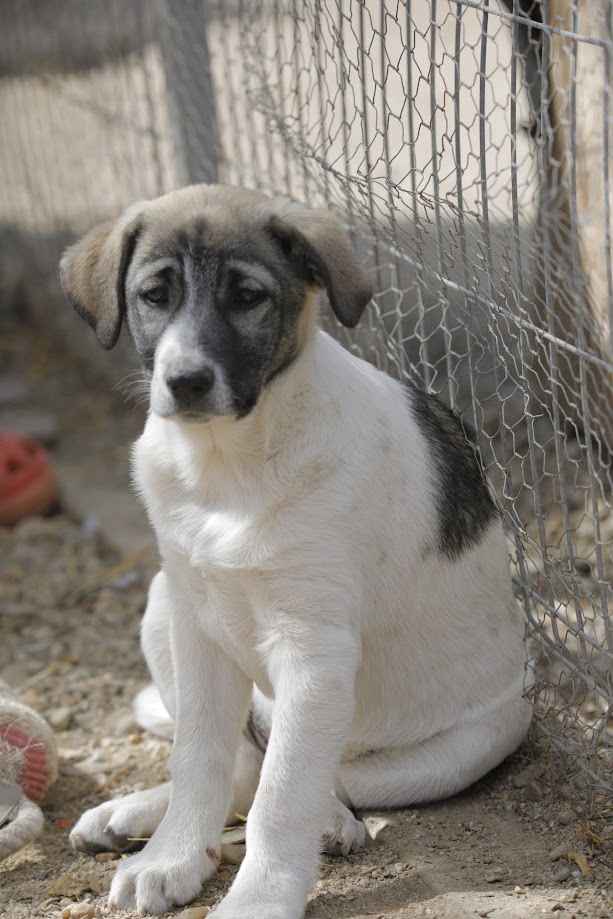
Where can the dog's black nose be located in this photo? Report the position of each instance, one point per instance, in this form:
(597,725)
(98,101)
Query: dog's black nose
(190,388)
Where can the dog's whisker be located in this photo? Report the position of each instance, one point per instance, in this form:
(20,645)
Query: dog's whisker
(135,376)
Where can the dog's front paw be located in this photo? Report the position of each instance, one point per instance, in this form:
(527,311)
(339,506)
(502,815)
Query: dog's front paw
(154,881)
(230,908)
(255,895)
(121,824)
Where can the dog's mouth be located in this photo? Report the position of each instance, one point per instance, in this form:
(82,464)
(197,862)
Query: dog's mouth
(194,417)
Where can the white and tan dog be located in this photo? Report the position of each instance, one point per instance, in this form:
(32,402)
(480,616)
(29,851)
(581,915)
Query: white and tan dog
(333,625)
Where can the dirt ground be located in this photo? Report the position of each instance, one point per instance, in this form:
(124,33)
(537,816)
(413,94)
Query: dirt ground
(70,605)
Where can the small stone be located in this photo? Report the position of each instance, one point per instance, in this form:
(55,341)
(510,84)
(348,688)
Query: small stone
(82,910)
(235,835)
(565,817)
(527,775)
(495,875)
(232,854)
(194,912)
(559,851)
(67,886)
(576,873)
(562,875)
(107,856)
(60,718)
(123,724)
(97,884)
(376,825)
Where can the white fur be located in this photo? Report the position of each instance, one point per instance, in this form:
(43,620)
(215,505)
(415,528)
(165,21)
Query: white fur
(298,557)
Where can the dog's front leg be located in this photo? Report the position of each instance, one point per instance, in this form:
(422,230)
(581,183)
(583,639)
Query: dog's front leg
(313,682)
(212,704)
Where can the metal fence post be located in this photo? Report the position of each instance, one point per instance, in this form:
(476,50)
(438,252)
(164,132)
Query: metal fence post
(191,103)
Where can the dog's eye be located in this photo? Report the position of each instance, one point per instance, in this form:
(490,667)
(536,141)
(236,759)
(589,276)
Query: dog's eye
(247,297)
(157,296)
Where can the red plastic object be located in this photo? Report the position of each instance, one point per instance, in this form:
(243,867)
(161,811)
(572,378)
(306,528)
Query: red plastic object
(27,482)
(33,766)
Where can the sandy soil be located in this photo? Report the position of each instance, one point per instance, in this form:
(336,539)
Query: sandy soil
(70,609)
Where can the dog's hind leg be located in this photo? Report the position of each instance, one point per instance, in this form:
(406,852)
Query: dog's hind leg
(440,766)
(344,833)
(154,707)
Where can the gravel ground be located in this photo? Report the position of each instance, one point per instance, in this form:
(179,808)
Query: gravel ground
(70,608)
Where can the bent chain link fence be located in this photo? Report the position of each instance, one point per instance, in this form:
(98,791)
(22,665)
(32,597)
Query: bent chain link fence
(466,145)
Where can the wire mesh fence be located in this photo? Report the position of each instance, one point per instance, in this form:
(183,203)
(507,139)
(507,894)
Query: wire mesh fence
(467,147)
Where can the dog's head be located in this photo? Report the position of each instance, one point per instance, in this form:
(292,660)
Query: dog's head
(216,285)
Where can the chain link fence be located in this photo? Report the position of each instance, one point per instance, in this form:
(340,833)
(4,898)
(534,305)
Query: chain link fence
(467,147)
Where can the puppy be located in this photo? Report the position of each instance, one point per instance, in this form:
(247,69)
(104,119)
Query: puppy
(334,587)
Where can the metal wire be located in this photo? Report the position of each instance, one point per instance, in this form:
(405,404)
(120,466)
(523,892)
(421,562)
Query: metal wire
(466,145)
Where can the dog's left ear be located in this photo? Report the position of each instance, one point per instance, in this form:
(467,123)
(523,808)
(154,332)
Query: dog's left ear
(93,273)
(318,244)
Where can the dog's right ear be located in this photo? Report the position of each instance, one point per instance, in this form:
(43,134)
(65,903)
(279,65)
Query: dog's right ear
(93,274)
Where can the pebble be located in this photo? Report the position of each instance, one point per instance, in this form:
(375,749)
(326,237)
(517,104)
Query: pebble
(236,835)
(232,854)
(82,910)
(495,875)
(565,817)
(107,856)
(528,775)
(560,851)
(194,912)
(563,874)
(60,718)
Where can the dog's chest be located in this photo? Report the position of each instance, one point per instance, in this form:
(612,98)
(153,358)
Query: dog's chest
(224,553)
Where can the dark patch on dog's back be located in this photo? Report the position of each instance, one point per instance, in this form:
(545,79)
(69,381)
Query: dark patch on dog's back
(465,508)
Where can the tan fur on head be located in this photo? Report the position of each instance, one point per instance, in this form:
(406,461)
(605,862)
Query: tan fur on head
(319,238)
(92,273)
(93,270)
